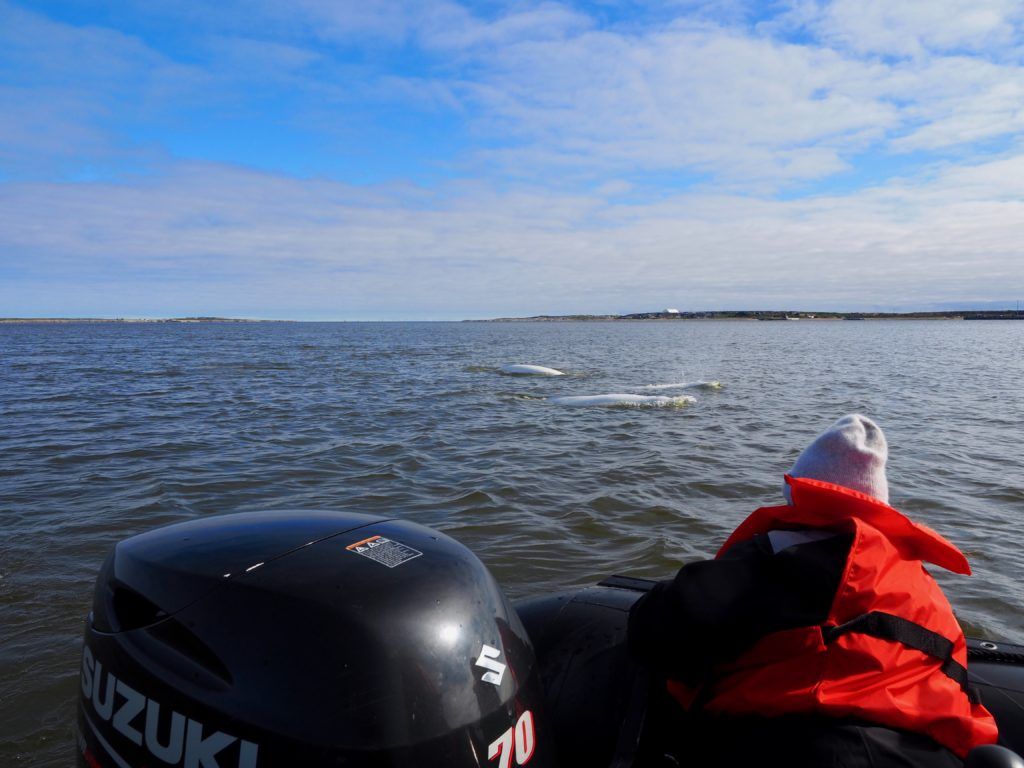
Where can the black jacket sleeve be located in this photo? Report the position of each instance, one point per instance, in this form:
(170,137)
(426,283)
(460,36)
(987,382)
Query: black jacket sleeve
(713,610)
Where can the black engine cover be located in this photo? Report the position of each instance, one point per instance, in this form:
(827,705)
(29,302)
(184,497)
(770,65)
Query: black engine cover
(284,639)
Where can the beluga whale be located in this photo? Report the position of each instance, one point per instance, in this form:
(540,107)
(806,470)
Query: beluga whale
(529,370)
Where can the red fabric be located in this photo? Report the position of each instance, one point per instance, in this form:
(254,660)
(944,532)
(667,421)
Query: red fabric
(857,675)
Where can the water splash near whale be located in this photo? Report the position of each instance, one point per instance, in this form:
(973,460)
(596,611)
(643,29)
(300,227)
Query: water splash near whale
(703,385)
(623,400)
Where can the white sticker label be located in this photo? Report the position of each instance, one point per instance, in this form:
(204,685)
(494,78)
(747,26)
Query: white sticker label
(384,551)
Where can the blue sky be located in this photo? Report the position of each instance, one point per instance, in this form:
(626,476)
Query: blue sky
(323,159)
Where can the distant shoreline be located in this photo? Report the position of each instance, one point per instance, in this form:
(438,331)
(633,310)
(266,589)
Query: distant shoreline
(738,315)
(768,315)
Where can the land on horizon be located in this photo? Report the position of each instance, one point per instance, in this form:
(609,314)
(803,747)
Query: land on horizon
(669,315)
(773,314)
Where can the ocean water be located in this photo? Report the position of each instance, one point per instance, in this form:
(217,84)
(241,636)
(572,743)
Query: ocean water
(109,430)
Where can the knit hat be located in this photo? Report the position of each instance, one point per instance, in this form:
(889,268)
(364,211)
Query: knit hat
(850,453)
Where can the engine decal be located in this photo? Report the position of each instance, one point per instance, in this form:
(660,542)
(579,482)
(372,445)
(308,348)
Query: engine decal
(489,659)
(519,741)
(384,551)
(186,741)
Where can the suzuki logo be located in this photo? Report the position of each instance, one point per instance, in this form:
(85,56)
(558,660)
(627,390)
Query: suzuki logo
(489,660)
(170,736)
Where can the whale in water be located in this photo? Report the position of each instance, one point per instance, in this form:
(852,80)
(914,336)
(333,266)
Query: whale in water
(529,370)
(624,400)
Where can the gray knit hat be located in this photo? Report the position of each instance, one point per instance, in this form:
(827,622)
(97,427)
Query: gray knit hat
(850,453)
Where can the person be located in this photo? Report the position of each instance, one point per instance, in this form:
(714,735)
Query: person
(816,633)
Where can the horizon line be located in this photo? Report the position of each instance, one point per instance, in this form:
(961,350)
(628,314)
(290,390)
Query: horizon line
(649,314)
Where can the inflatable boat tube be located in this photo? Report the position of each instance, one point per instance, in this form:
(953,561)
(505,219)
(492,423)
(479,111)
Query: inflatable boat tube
(608,711)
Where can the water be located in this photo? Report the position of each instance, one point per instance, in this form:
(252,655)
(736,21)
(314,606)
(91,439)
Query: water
(109,430)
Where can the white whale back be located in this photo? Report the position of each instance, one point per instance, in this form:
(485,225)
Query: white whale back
(530,370)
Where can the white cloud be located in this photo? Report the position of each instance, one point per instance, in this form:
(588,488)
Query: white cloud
(271,246)
(701,98)
(913,27)
(439,24)
(692,97)
(542,91)
(73,87)
(450,27)
(954,101)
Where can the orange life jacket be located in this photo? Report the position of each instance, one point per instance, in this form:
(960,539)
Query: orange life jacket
(891,652)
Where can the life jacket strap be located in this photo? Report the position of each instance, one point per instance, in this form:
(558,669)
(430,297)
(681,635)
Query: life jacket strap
(886,626)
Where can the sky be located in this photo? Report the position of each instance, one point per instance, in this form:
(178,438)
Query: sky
(395,159)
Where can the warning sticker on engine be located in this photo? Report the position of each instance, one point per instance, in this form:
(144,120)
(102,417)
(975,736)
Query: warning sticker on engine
(385,551)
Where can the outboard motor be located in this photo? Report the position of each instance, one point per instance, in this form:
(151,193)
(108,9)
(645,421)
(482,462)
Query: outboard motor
(305,639)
